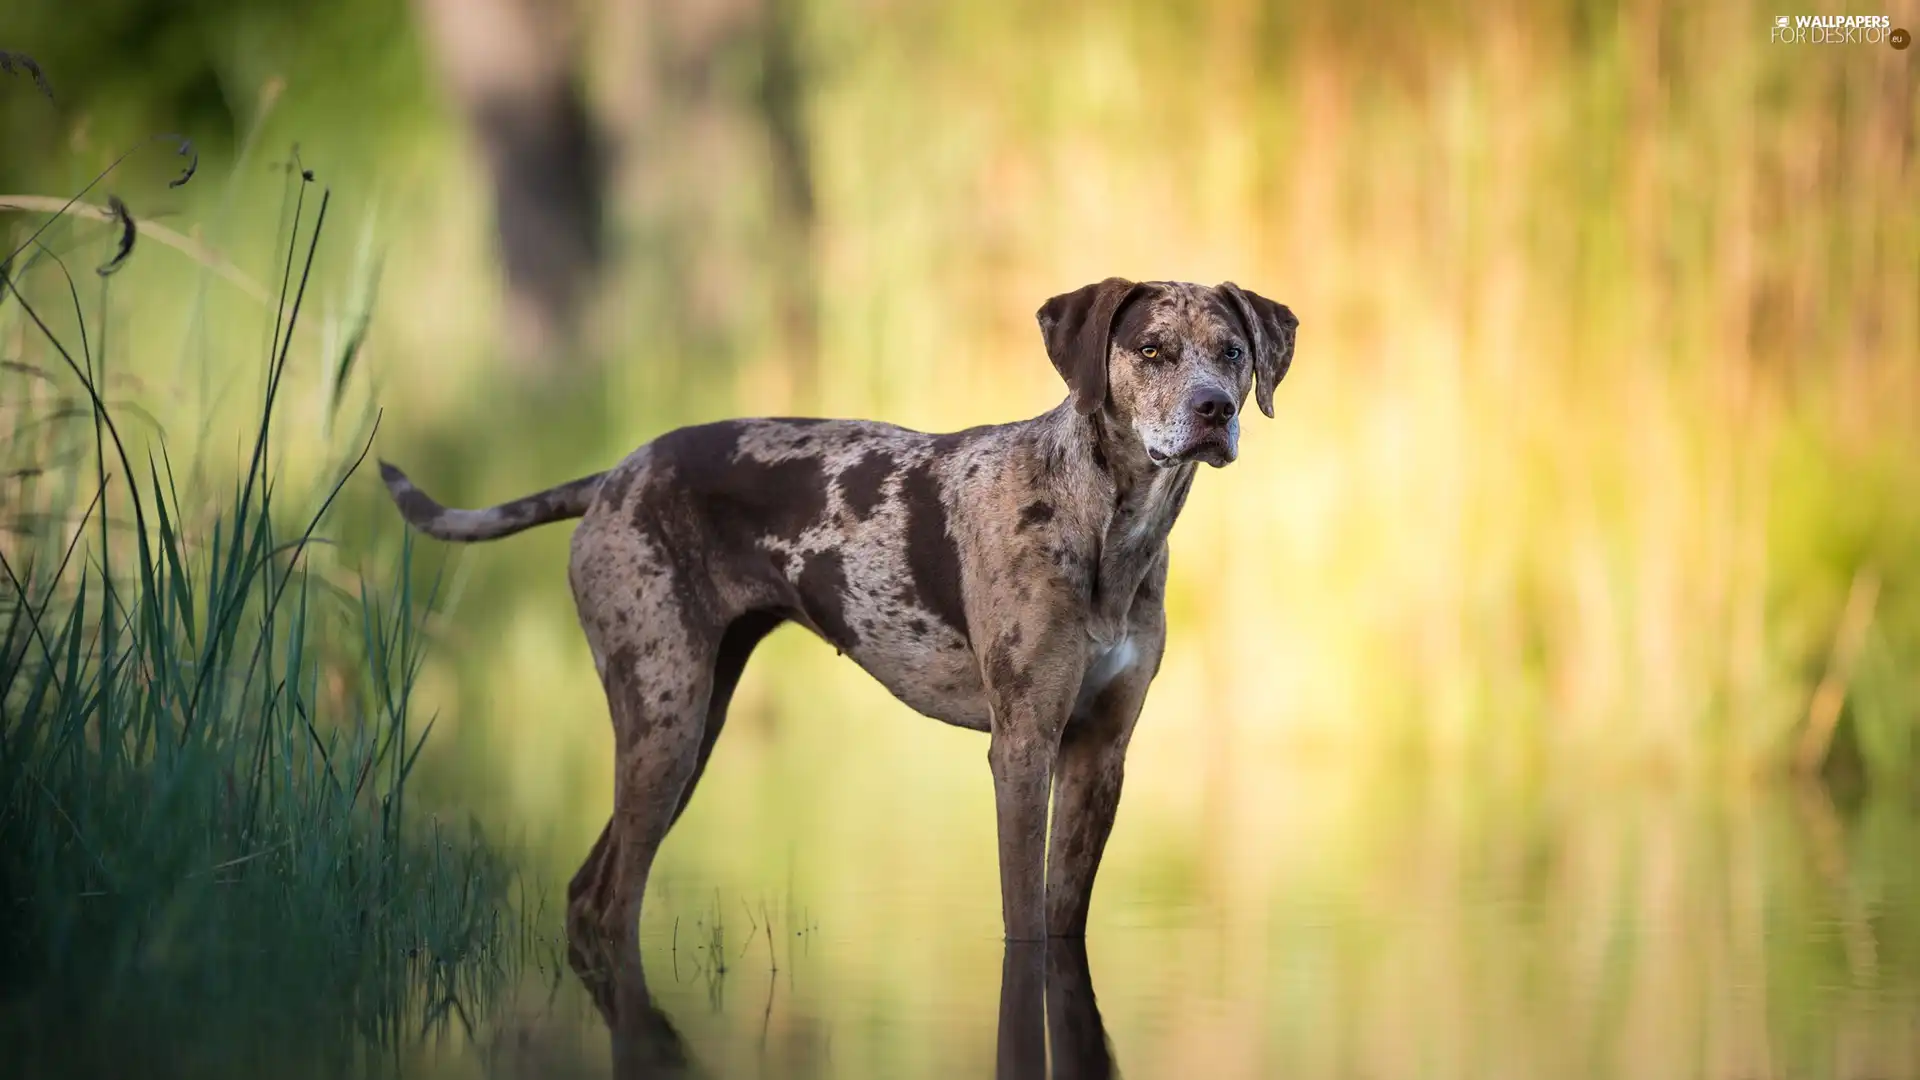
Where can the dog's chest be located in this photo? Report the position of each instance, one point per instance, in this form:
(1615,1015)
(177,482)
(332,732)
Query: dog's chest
(1134,539)
(1105,663)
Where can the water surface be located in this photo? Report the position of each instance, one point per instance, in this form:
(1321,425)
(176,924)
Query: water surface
(1301,922)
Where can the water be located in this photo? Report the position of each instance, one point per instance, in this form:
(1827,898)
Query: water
(1304,922)
(829,907)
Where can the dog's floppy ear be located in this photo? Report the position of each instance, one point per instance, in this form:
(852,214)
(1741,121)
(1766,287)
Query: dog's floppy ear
(1272,326)
(1076,327)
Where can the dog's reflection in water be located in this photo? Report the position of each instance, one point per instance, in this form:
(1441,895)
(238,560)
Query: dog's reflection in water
(1055,972)
(645,1043)
(1046,997)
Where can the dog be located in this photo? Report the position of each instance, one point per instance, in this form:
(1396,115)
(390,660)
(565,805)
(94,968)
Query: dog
(1007,578)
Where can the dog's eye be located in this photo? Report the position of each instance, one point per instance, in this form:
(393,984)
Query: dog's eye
(1233,352)
(1150,352)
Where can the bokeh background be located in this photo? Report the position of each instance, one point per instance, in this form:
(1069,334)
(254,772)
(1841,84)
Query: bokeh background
(1541,691)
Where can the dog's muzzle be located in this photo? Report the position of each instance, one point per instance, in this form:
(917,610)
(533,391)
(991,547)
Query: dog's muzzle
(1212,428)
(1216,448)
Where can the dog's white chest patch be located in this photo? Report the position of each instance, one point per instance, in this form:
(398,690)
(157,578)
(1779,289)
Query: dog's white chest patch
(1106,665)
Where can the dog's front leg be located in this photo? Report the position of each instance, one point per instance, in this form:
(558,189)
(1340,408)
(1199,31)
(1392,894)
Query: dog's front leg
(1032,675)
(1021,756)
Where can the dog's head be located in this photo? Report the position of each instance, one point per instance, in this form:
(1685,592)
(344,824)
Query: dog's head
(1170,362)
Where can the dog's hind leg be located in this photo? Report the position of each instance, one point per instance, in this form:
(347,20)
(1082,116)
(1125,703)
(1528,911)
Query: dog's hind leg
(736,646)
(657,646)
(603,899)
(584,879)
(659,716)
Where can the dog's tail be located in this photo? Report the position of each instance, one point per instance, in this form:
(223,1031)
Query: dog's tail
(569,500)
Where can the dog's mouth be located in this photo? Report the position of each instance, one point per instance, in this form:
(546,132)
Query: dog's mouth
(1215,450)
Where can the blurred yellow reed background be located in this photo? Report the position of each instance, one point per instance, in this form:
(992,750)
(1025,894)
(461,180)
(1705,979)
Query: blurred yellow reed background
(1608,372)
(1605,396)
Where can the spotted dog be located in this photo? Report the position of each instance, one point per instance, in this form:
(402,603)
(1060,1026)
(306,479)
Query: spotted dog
(1007,578)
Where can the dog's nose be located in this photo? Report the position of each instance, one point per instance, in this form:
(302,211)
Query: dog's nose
(1212,405)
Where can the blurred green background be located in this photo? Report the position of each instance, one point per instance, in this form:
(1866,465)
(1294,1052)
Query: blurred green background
(1595,486)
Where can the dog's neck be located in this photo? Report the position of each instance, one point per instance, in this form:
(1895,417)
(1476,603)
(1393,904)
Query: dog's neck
(1139,503)
(1147,498)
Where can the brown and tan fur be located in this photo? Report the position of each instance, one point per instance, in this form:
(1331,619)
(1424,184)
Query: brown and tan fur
(1007,578)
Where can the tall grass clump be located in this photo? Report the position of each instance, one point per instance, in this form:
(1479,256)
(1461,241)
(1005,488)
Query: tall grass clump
(207,846)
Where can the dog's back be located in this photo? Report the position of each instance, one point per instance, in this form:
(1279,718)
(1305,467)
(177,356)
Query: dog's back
(843,526)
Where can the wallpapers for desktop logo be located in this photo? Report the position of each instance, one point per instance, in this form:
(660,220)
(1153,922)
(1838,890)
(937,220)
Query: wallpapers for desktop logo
(1838,30)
